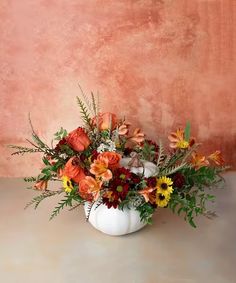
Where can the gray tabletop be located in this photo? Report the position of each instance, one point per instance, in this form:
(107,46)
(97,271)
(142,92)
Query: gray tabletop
(69,250)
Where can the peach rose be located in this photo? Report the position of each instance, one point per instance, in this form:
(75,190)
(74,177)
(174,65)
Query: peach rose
(89,188)
(78,139)
(41,185)
(73,170)
(106,121)
(112,157)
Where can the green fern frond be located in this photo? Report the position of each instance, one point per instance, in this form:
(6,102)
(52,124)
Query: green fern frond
(90,205)
(30,179)
(166,161)
(94,104)
(37,200)
(67,201)
(22,150)
(35,137)
(172,170)
(86,99)
(161,154)
(84,113)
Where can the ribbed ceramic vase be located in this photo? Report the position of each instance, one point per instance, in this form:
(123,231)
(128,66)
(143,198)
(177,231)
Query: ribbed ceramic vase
(118,222)
(114,222)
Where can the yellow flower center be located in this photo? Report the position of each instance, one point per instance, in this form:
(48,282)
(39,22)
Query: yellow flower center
(119,189)
(183,144)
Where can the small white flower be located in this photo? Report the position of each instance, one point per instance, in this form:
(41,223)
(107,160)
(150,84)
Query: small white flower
(108,146)
(63,155)
(101,148)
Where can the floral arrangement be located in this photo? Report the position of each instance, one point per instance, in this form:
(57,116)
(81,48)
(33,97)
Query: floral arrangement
(106,162)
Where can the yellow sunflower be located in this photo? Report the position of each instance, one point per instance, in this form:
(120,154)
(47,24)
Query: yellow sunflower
(164,185)
(162,199)
(68,187)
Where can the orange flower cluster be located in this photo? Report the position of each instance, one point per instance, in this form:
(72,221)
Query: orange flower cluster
(199,160)
(101,165)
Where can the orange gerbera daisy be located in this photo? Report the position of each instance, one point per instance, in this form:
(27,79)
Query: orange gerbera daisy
(100,169)
(137,136)
(124,129)
(217,158)
(177,140)
(199,160)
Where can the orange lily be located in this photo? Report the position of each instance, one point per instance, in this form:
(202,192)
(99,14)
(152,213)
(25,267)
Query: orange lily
(89,188)
(137,136)
(41,185)
(124,129)
(217,157)
(147,194)
(199,160)
(100,169)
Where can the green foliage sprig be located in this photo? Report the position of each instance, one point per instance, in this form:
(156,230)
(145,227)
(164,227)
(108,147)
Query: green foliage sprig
(38,199)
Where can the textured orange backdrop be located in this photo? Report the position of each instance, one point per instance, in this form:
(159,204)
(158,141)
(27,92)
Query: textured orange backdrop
(159,63)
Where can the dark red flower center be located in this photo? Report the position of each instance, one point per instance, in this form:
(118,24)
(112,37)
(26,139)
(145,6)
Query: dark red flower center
(164,186)
(161,197)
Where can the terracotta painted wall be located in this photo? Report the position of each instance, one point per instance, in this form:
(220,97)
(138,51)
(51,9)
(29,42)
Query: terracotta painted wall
(157,62)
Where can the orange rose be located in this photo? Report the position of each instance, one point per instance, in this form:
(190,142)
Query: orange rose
(41,185)
(78,139)
(112,157)
(73,170)
(89,188)
(105,121)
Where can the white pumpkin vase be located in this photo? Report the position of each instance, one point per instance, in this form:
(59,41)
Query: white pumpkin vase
(116,222)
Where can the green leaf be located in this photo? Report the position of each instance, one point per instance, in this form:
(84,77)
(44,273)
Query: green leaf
(187,131)
(84,113)
(45,161)
(192,223)
(146,211)
(59,135)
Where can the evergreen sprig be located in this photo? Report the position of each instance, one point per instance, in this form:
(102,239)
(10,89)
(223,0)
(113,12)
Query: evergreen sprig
(37,200)
(89,208)
(30,179)
(21,150)
(161,155)
(171,170)
(146,211)
(84,113)
(67,201)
